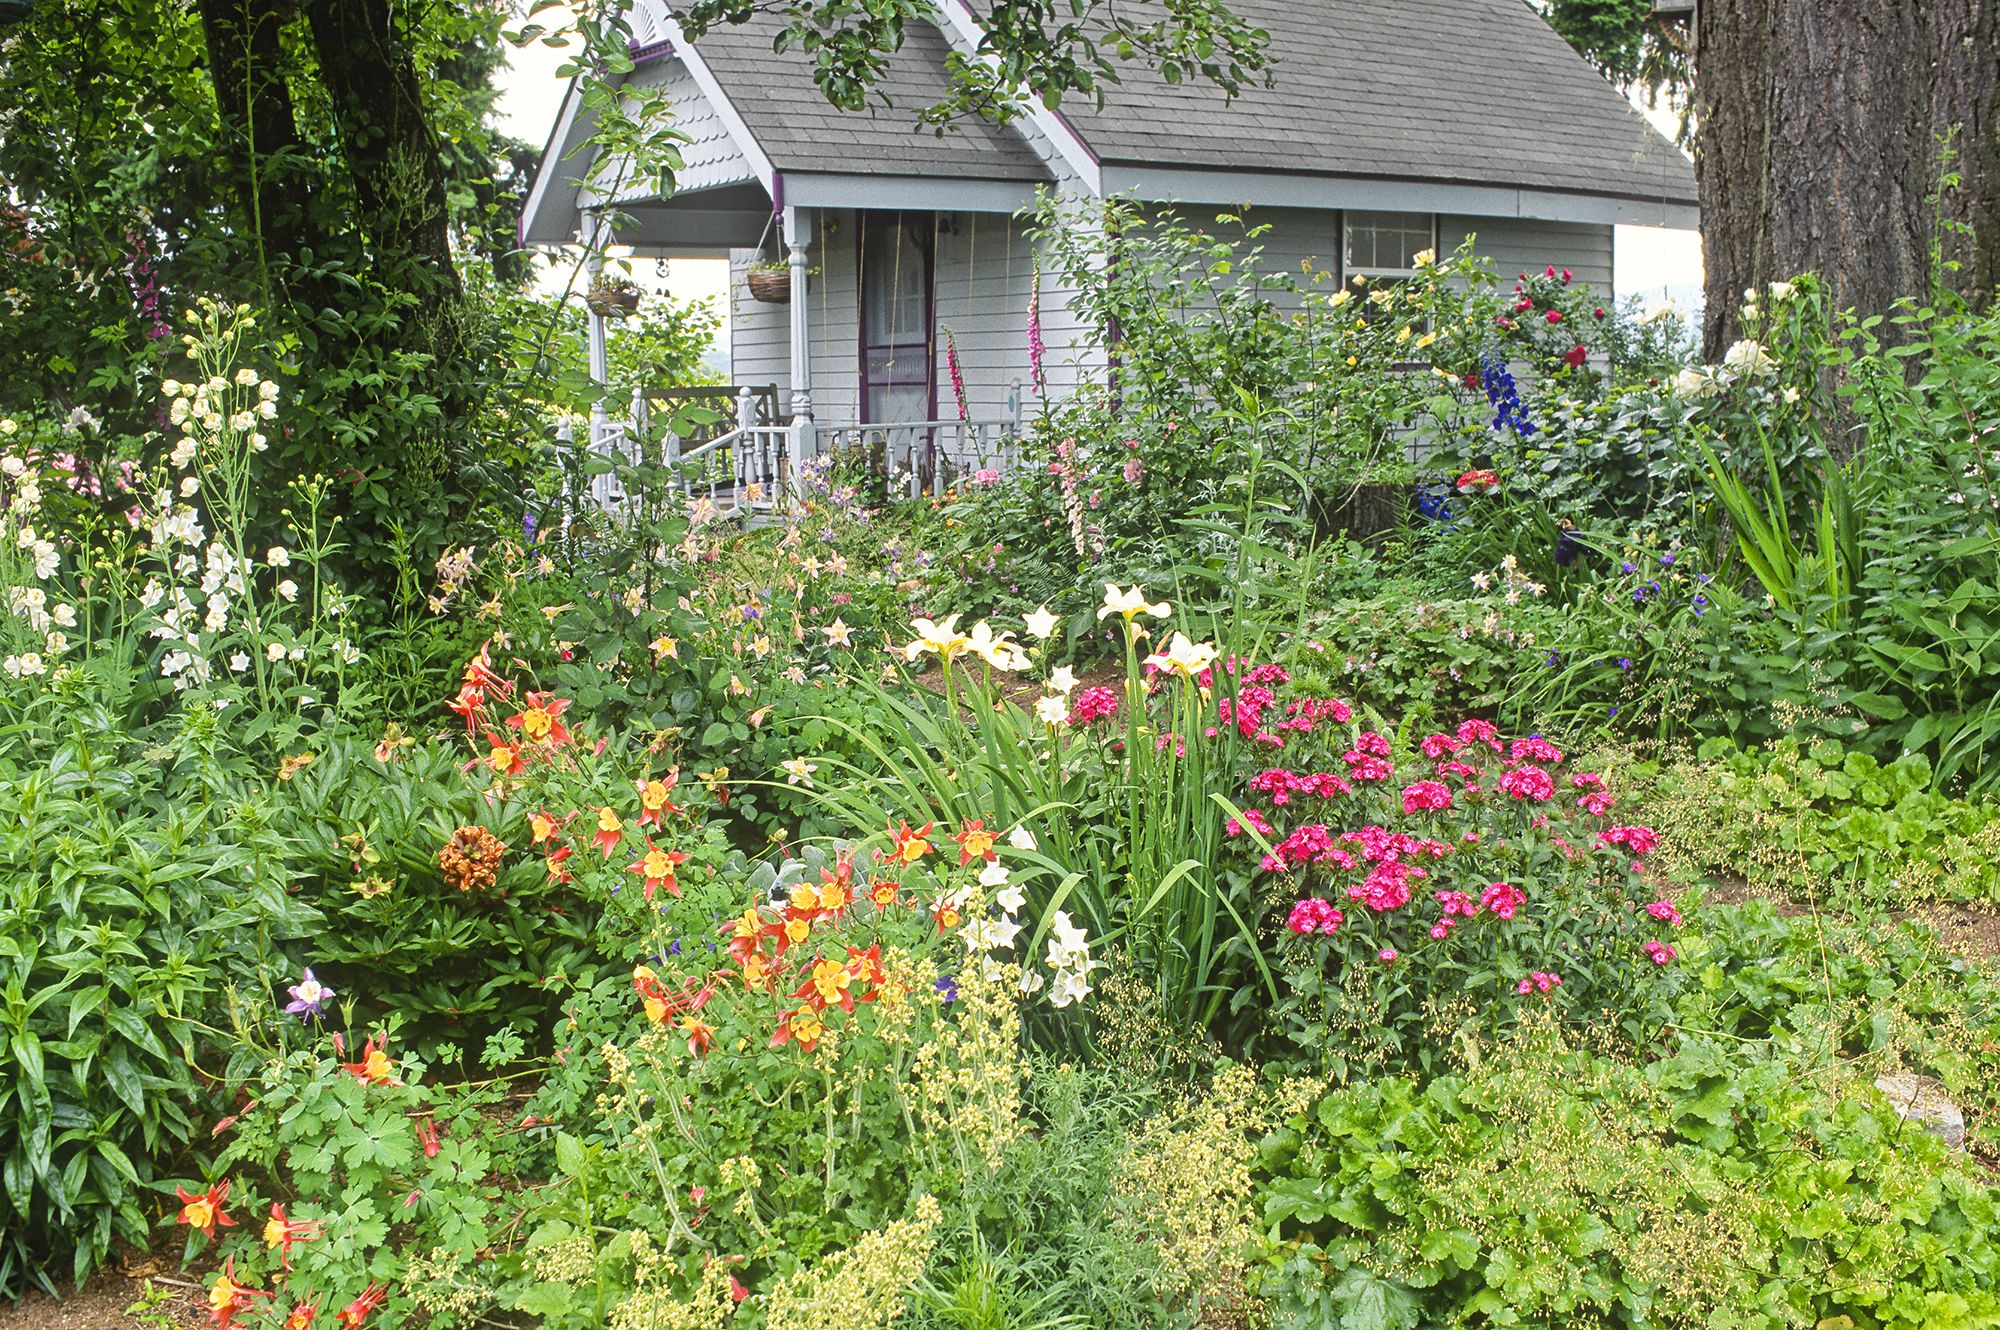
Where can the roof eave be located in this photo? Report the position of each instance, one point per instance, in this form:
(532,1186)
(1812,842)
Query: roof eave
(1285,189)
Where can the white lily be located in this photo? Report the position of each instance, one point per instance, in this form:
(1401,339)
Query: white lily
(1129,604)
(1183,657)
(1041,624)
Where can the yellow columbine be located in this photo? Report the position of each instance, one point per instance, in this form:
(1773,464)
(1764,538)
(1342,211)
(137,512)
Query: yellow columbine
(1129,604)
(1183,657)
(666,648)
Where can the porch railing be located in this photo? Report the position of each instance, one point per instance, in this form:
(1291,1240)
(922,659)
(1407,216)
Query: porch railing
(756,465)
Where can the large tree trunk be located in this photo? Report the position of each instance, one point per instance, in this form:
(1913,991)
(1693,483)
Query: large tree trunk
(392,156)
(260,130)
(1820,126)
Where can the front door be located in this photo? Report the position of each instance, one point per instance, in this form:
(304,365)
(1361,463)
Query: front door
(898,351)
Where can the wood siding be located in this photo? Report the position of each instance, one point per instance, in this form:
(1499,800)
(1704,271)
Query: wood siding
(985,266)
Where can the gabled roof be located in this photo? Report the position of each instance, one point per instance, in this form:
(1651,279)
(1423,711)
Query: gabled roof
(1462,106)
(1479,92)
(801,131)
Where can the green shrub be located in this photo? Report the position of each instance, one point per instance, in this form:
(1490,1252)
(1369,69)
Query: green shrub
(133,891)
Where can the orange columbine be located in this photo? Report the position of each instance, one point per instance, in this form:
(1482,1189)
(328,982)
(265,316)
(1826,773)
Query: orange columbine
(659,1003)
(226,1297)
(609,830)
(656,867)
(540,720)
(699,1032)
(827,985)
(975,842)
(803,1025)
(303,1315)
(468,704)
(281,1233)
(655,799)
(504,758)
(910,846)
(866,966)
(374,1068)
(541,826)
(945,910)
(883,892)
(355,1312)
(203,1210)
(479,674)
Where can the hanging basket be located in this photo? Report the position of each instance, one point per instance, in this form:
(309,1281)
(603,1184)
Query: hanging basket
(608,302)
(772,286)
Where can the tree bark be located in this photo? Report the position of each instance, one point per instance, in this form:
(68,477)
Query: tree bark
(260,129)
(1819,149)
(386,140)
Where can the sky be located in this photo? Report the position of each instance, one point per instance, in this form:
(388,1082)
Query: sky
(1652,263)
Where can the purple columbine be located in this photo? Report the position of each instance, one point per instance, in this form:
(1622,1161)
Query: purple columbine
(309,997)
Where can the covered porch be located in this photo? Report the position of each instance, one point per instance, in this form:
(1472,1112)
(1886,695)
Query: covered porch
(890,311)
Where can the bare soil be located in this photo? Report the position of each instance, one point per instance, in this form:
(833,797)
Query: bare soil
(100,1304)
(1968,931)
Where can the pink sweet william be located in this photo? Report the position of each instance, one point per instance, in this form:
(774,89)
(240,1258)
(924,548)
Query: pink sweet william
(1502,900)
(1597,803)
(1252,818)
(1313,915)
(1541,981)
(1479,732)
(1528,783)
(1093,704)
(1534,748)
(1659,952)
(1455,903)
(1366,766)
(1426,796)
(1664,911)
(1640,841)
(1435,746)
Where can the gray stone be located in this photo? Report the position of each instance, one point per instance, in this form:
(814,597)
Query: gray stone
(1921,1100)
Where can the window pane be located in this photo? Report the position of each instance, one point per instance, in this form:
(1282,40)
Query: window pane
(895,285)
(1385,241)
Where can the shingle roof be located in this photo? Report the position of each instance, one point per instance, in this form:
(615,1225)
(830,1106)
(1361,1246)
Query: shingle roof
(799,130)
(1470,91)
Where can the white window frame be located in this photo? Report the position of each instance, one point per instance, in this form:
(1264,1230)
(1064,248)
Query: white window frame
(1350,271)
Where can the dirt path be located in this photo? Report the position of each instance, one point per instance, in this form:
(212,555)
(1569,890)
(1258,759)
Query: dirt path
(101,1303)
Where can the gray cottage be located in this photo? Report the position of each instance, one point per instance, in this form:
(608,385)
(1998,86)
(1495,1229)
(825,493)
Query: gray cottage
(1390,127)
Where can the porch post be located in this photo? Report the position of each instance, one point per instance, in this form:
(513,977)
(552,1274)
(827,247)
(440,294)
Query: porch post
(798,236)
(595,353)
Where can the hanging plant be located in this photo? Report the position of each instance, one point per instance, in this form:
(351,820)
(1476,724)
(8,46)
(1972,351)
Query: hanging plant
(613,299)
(770,281)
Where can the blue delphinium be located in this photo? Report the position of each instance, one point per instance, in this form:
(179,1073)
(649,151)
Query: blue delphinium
(1509,413)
